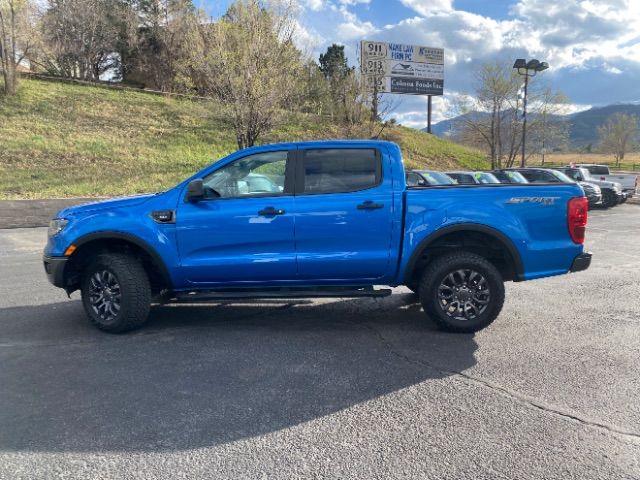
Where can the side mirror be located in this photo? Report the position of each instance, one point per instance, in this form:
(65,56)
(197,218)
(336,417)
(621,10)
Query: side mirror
(195,190)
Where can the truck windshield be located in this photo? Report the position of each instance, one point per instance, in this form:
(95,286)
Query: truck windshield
(436,178)
(562,177)
(484,177)
(574,173)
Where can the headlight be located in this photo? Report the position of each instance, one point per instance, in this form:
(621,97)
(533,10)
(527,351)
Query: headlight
(57,225)
(596,189)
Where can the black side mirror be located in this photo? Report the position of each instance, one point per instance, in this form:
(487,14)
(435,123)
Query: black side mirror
(195,190)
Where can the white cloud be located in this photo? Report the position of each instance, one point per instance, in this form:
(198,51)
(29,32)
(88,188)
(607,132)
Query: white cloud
(315,5)
(353,27)
(306,38)
(354,2)
(592,46)
(428,7)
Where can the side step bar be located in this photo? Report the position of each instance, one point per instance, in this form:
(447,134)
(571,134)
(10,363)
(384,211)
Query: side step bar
(209,295)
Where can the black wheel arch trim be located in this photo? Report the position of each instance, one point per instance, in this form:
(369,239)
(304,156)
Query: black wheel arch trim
(137,241)
(459,227)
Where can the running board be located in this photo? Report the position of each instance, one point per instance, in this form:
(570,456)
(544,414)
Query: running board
(212,295)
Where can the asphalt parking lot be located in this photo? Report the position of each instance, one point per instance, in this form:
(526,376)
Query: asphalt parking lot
(332,388)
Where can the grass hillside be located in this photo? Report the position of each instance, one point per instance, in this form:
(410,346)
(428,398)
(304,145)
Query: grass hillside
(61,140)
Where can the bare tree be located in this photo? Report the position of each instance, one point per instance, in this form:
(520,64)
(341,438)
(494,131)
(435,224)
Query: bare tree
(618,134)
(17,18)
(83,37)
(491,119)
(248,61)
(484,116)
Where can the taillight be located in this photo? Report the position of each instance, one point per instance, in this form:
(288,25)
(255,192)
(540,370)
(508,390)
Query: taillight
(577,216)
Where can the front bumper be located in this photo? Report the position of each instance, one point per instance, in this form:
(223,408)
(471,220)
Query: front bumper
(595,199)
(54,268)
(581,262)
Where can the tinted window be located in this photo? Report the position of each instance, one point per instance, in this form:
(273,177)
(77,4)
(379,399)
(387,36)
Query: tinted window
(340,170)
(598,170)
(462,178)
(259,174)
(539,176)
(509,177)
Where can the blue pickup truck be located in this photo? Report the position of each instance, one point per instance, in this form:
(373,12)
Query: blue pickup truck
(314,219)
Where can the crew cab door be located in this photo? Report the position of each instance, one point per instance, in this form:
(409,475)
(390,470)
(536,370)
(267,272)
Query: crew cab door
(243,230)
(344,214)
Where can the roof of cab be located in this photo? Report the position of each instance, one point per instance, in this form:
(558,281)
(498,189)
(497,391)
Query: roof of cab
(322,144)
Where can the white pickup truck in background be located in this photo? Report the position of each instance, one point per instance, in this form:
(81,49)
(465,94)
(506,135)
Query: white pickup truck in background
(630,182)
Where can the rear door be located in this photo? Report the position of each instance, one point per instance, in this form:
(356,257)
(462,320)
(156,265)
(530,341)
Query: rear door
(344,214)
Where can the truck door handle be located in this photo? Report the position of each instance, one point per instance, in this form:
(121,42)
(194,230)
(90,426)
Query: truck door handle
(369,205)
(270,211)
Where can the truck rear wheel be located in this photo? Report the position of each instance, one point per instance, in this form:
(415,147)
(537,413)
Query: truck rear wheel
(116,294)
(462,292)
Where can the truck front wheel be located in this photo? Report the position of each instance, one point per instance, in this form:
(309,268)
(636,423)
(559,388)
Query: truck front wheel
(116,294)
(462,292)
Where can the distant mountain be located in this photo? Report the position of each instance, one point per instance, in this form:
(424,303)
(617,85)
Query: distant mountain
(583,125)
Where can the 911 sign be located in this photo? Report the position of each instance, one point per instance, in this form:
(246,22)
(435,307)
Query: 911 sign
(404,69)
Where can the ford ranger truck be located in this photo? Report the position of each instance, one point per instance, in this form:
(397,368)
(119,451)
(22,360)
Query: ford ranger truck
(315,219)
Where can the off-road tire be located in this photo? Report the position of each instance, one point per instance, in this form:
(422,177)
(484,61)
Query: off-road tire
(134,288)
(437,272)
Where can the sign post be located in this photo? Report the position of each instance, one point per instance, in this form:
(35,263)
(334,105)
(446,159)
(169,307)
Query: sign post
(402,69)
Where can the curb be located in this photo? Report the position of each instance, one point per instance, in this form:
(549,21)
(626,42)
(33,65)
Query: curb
(34,213)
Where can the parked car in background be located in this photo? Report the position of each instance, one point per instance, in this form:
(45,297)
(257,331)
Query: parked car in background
(593,193)
(630,182)
(509,176)
(542,175)
(612,193)
(423,178)
(472,178)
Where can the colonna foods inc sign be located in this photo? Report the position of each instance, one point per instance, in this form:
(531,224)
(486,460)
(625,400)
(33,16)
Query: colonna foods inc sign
(400,68)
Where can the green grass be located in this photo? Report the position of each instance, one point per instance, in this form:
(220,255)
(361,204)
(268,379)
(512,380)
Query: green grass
(63,140)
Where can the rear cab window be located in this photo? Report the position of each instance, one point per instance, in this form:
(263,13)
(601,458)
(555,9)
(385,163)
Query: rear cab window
(339,170)
(598,170)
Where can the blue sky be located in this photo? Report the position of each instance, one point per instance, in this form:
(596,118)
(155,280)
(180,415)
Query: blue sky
(592,46)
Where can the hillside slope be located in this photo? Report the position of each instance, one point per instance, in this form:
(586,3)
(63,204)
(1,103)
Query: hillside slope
(60,140)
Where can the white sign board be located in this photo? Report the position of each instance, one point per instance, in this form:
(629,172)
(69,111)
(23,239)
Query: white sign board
(400,68)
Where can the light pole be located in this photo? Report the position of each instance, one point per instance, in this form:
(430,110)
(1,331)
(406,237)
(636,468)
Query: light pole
(527,69)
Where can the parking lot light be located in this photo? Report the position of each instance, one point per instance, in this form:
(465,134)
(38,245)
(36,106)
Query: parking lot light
(527,69)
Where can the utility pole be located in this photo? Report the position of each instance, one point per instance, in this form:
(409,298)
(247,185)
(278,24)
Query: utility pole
(429,113)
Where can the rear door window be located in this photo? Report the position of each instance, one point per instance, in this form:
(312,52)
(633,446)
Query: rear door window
(340,170)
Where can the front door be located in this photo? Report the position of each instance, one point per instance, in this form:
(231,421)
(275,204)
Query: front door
(242,232)
(344,215)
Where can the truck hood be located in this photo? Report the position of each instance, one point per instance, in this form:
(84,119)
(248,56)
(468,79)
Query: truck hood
(85,208)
